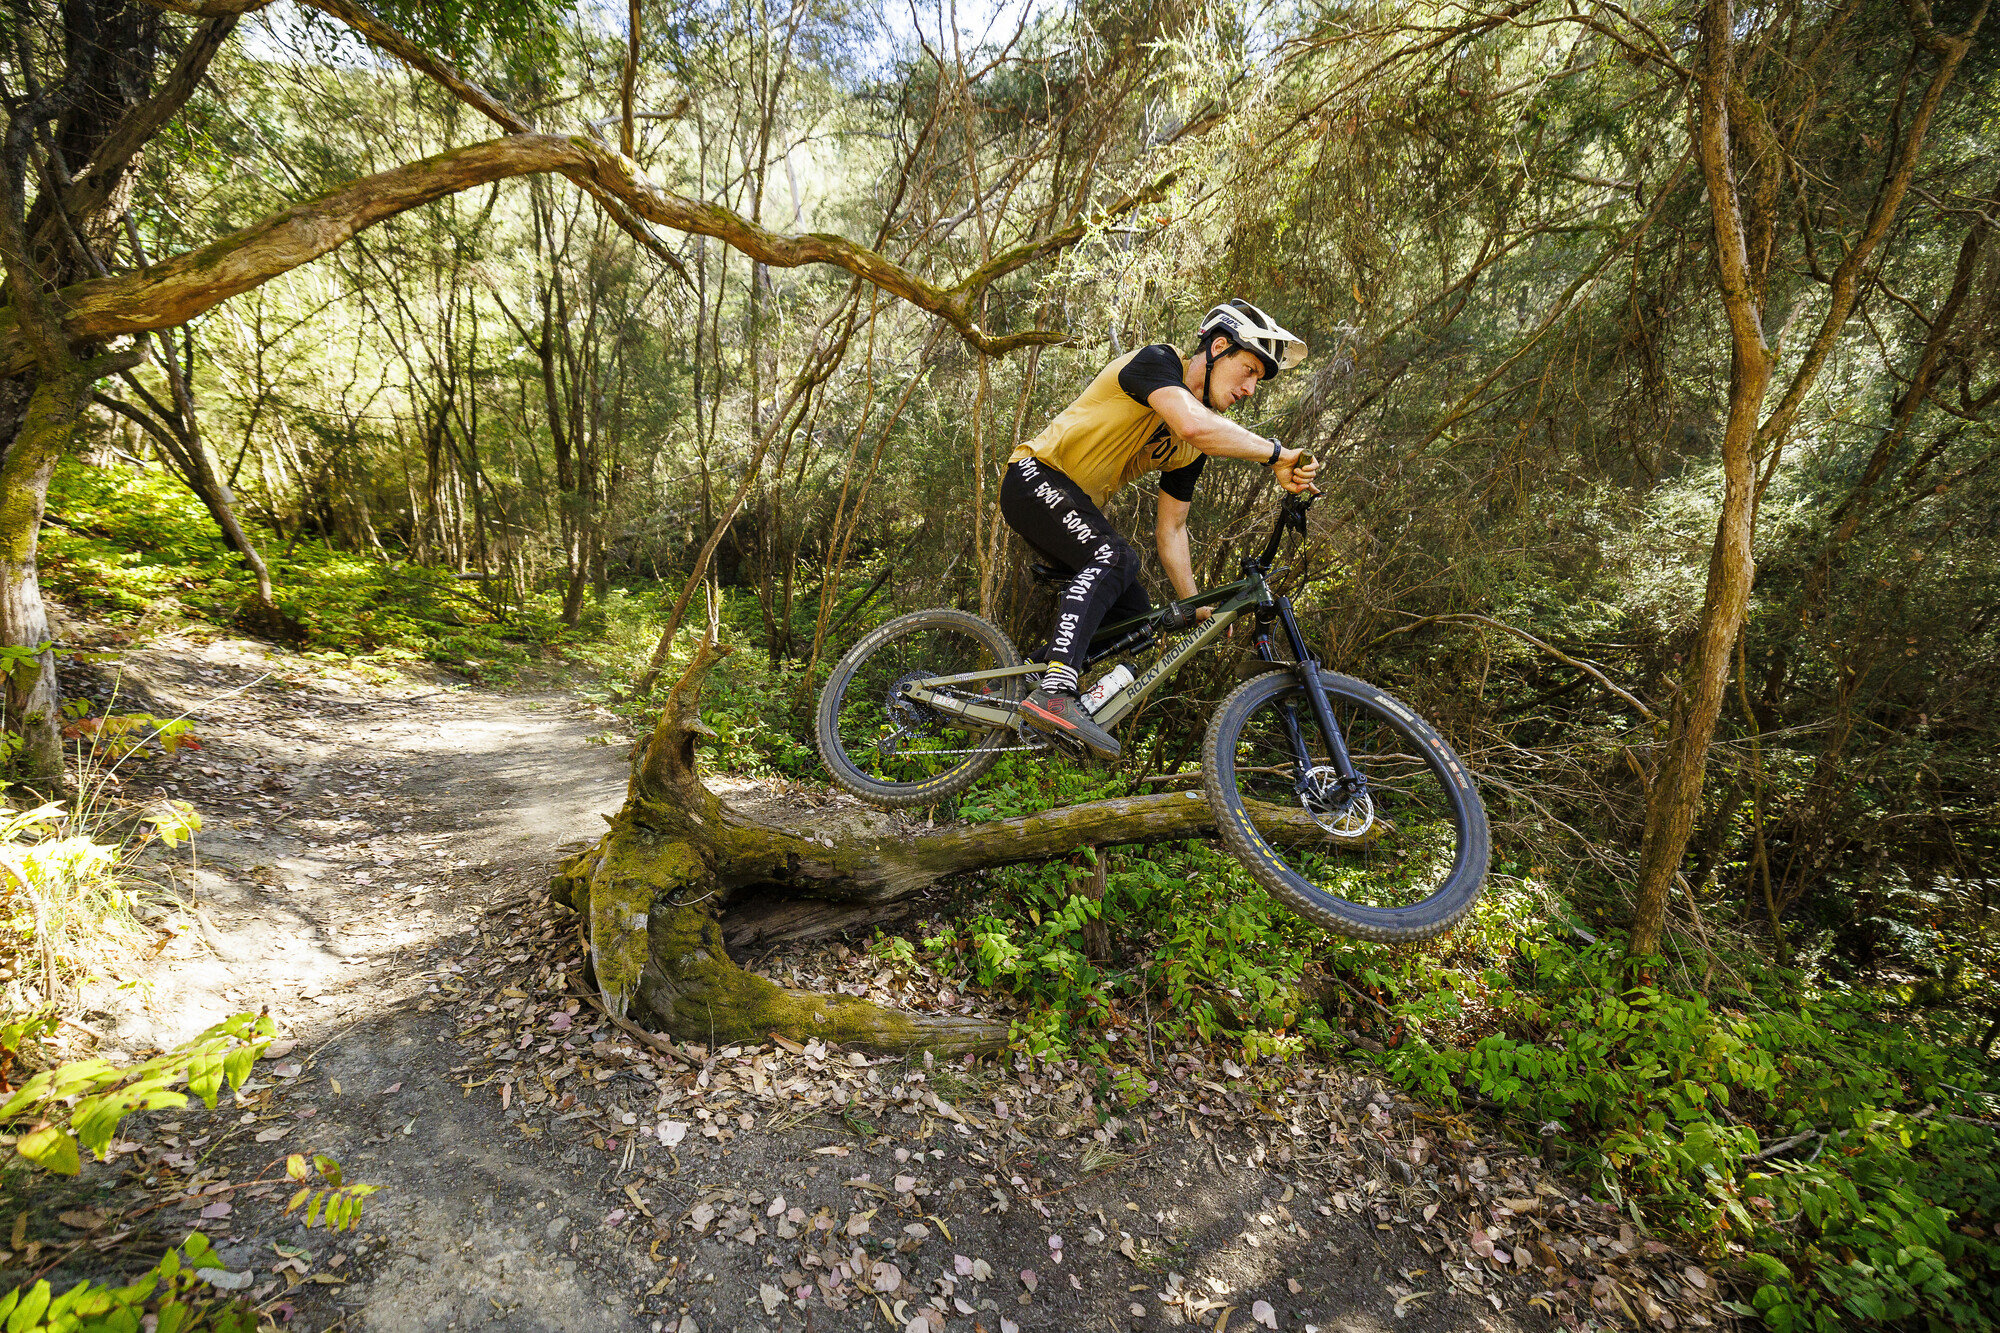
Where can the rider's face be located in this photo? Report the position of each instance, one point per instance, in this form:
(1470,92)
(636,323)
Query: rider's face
(1235,376)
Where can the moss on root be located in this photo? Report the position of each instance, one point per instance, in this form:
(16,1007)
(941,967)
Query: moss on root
(652,905)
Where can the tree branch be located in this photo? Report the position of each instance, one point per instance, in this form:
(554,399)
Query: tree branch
(175,290)
(96,179)
(618,182)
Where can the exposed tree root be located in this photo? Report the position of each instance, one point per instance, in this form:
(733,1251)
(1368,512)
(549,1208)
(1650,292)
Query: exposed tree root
(655,887)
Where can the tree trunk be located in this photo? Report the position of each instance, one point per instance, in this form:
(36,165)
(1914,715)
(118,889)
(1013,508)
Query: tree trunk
(32,697)
(1675,795)
(665,889)
(1743,241)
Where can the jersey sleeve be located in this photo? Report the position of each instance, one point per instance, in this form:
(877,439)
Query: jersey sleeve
(1155,367)
(1179,483)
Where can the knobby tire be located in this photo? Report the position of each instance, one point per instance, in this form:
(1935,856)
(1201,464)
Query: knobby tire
(1446,821)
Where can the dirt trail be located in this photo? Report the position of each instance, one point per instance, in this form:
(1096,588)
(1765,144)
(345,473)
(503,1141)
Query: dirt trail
(374,867)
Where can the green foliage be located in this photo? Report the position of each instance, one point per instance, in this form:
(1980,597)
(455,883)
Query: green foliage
(176,1296)
(80,1104)
(1202,951)
(112,736)
(65,897)
(137,549)
(341,1203)
(1879,1209)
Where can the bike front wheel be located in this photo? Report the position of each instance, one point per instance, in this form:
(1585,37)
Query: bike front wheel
(891,750)
(1399,858)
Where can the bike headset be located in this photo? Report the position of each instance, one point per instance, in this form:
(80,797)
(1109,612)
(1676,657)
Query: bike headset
(1248,330)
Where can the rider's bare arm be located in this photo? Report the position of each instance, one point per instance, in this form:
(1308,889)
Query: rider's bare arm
(1219,437)
(1170,535)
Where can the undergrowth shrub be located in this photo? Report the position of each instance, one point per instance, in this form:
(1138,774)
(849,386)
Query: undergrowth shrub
(1845,1154)
(137,549)
(50,1117)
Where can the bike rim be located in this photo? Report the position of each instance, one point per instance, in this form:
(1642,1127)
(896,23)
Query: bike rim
(1392,844)
(895,741)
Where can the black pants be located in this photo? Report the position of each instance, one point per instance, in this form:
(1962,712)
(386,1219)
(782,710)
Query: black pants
(1055,517)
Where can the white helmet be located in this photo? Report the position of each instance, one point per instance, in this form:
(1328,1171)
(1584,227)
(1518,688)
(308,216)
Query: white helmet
(1255,332)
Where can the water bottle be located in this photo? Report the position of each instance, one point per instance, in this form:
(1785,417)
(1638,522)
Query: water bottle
(1114,680)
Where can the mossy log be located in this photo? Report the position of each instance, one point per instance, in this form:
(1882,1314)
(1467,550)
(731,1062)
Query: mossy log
(655,889)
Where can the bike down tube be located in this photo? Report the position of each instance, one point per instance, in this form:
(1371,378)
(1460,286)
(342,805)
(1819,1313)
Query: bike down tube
(1122,704)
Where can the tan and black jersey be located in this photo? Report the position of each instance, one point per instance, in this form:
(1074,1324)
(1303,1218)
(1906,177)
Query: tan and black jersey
(1111,435)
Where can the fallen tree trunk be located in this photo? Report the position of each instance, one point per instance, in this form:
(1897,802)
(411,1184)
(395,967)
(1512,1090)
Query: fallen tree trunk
(655,889)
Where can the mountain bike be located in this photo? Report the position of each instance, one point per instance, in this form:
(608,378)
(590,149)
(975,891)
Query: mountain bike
(1336,797)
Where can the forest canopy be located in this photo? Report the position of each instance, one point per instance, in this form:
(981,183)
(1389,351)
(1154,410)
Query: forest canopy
(1655,353)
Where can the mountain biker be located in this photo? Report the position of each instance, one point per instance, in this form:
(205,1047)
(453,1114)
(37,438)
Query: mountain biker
(1153,408)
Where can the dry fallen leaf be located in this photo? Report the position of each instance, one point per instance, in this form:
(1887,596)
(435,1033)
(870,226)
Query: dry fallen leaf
(1262,1312)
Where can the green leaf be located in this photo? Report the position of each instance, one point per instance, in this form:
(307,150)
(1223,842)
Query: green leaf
(29,1312)
(50,1148)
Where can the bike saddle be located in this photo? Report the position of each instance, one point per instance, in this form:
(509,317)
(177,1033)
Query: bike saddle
(1050,575)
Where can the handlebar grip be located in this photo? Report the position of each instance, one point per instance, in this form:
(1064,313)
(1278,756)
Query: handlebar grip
(1306,460)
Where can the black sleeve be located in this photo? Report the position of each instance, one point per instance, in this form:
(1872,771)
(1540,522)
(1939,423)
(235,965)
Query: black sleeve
(1180,482)
(1155,367)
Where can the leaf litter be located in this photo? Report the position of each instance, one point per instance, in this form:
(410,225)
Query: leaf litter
(976,1148)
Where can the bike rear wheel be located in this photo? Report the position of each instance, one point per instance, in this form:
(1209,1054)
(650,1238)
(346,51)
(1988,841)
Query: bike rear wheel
(891,750)
(1400,860)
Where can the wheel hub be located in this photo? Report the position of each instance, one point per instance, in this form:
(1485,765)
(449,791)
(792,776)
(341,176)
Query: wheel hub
(1343,808)
(907,718)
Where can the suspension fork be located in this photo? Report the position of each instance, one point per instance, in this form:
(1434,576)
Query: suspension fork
(1308,673)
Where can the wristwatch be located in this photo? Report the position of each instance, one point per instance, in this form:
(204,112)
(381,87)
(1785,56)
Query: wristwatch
(1276,449)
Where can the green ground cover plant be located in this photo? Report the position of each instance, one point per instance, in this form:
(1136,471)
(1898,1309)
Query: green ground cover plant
(135,550)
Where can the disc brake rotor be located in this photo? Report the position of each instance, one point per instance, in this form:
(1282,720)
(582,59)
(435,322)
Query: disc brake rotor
(1343,809)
